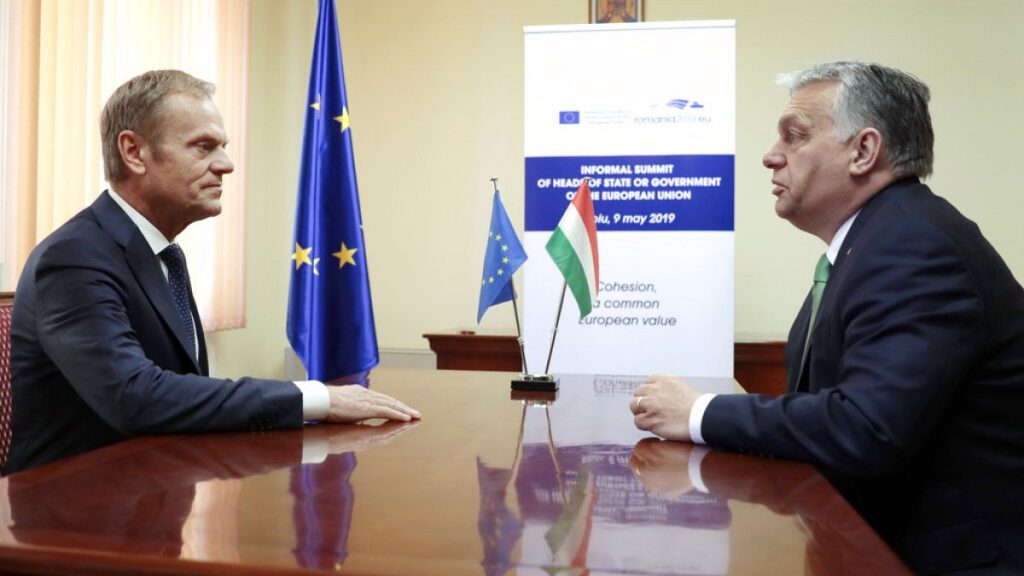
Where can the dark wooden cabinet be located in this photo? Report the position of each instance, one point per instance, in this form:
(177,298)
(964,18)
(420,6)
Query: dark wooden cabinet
(758,366)
(472,350)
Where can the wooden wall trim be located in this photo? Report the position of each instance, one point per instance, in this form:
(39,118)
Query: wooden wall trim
(758,366)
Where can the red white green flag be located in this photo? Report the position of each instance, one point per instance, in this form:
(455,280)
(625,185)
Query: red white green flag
(573,247)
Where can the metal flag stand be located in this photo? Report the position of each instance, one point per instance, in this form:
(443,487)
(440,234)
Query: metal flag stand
(527,382)
(545,383)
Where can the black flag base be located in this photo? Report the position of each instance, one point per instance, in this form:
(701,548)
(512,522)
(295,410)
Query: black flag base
(535,398)
(535,383)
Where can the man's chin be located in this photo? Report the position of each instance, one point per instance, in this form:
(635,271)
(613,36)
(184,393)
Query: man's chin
(208,211)
(782,208)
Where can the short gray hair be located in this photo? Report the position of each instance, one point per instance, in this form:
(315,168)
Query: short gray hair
(891,101)
(138,105)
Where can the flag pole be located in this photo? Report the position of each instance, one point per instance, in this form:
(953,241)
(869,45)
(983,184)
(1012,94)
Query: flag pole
(515,309)
(554,332)
(519,331)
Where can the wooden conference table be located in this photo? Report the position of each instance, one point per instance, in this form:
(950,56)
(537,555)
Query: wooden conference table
(484,484)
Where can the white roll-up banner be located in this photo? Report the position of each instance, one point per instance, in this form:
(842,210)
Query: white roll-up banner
(647,113)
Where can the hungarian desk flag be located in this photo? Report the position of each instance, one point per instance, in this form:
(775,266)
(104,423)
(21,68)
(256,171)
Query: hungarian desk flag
(573,247)
(502,257)
(330,314)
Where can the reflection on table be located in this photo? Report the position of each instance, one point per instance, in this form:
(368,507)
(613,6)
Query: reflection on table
(582,508)
(486,483)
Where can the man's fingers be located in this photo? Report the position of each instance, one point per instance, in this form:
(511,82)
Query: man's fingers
(355,403)
(390,413)
(393,404)
(635,405)
(643,421)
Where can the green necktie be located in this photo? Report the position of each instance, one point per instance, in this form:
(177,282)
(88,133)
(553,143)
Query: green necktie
(820,279)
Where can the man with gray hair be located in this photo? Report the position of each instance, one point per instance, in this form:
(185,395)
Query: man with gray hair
(906,362)
(106,340)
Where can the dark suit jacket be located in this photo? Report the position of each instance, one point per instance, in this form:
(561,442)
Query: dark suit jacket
(97,350)
(915,386)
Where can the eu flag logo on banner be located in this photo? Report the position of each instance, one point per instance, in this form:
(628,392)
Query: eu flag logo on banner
(502,257)
(330,314)
(568,117)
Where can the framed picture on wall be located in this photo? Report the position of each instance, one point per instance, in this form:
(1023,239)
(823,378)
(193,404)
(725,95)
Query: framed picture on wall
(609,11)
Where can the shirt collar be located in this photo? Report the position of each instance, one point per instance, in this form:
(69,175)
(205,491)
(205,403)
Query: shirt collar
(155,238)
(837,241)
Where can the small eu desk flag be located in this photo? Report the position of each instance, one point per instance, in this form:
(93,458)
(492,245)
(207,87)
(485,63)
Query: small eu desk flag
(502,257)
(330,313)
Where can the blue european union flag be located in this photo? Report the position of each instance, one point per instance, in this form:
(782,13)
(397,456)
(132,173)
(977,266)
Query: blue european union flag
(330,313)
(502,257)
(569,117)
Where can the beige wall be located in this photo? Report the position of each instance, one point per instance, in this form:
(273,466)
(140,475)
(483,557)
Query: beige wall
(435,91)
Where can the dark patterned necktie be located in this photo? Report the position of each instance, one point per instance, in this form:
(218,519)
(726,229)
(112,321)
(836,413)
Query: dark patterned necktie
(177,277)
(821,272)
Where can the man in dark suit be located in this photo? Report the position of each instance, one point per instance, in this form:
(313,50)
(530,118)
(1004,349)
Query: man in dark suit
(106,341)
(909,391)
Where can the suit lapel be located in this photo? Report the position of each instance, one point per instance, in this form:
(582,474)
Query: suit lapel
(795,348)
(802,371)
(145,266)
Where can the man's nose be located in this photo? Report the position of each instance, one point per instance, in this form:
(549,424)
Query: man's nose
(773,158)
(223,164)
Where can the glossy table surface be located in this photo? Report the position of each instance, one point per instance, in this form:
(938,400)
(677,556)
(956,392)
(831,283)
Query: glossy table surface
(484,484)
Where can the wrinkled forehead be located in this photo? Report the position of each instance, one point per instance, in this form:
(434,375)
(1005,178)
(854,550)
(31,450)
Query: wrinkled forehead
(811,105)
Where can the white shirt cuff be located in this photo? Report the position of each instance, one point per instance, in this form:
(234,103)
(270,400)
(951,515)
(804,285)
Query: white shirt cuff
(696,457)
(316,402)
(697,416)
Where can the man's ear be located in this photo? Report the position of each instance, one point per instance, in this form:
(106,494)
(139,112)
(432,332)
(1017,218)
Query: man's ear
(866,152)
(132,150)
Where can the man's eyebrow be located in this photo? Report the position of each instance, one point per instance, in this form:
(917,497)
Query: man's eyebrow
(794,117)
(209,137)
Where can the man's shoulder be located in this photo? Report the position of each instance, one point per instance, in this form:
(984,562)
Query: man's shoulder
(908,213)
(916,202)
(81,243)
(102,218)
(79,236)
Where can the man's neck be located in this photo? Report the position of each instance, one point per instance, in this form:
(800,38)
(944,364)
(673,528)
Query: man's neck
(867,187)
(156,239)
(143,208)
